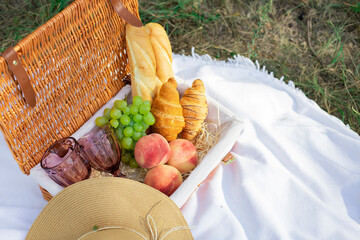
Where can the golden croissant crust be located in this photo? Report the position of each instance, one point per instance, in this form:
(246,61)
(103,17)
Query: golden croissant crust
(195,109)
(168,113)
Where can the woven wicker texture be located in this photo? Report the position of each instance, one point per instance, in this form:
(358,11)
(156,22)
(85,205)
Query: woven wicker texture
(47,196)
(75,62)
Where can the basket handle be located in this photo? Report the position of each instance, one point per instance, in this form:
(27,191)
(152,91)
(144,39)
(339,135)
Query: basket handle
(125,14)
(17,69)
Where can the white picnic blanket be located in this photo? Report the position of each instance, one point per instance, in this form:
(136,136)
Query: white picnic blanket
(297,173)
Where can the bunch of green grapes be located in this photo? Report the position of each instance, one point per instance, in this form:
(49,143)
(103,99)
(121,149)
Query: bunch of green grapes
(130,123)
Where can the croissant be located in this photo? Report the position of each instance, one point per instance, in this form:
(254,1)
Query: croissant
(168,113)
(195,109)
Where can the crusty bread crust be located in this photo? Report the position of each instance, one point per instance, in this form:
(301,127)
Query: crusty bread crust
(150,59)
(142,61)
(195,109)
(166,108)
(162,49)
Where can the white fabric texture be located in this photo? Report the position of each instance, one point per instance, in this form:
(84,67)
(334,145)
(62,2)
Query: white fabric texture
(297,173)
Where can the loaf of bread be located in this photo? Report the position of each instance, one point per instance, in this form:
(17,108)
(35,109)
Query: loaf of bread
(168,113)
(162,49)
(195,109)
(142,62)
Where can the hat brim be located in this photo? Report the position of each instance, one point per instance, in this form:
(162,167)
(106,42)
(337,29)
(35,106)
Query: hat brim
(116,207)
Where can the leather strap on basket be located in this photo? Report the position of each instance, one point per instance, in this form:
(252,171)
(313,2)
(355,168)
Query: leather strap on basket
(125,14)
(15,66)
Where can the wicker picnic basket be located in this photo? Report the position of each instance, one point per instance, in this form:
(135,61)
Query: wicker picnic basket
(73,64)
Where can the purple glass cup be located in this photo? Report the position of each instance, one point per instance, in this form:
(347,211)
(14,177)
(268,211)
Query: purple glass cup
(65,162)
(102,150)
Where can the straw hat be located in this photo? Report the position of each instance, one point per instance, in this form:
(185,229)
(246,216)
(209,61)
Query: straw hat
(110,208)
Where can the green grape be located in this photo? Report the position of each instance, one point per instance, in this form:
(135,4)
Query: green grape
(115,113)
(107,112)
(138,127)
(116,103)
(145,126)
(119,133)
(114,123)
(133,163)
(128,131)
(145,108)
(133,146)
(134,109)
(137,118)
(120,104)
(121,126)
(125,119)
(126,157)
(149,119)
(126,111)
(137,101)
(129,154)
(136,135)
(146,102)
(101,121)
(131,123)
(127,142)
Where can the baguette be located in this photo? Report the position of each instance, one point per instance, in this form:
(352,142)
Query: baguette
(142,62)
(162,49)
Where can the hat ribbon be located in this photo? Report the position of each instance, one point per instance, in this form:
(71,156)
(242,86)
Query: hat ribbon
(151,225)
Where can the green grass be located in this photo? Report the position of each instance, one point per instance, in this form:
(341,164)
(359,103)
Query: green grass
(315,44)
(263,12)
(18,18)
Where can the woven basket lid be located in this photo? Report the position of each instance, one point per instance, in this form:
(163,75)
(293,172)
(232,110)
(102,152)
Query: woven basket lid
(110,208)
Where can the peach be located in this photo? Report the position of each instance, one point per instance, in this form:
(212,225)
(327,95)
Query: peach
(164,178)
(183,155)
(151,150)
